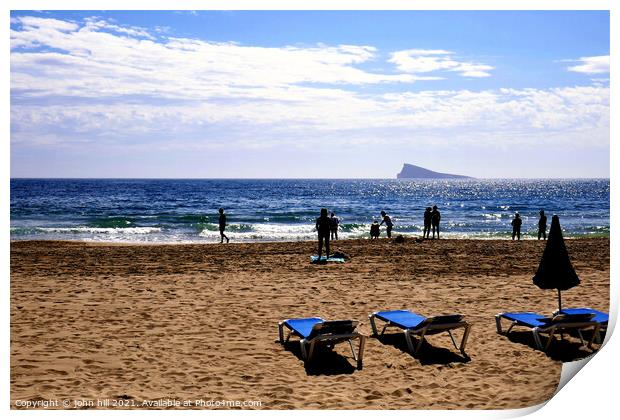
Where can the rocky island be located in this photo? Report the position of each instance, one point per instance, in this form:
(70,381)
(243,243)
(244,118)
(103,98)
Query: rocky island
(413,171)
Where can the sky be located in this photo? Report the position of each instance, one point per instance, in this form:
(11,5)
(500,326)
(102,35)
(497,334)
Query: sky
(309,94)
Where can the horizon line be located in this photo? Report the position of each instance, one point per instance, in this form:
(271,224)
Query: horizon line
(301,178)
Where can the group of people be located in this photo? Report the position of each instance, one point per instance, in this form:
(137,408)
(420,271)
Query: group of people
(327,226)
(517,222)
(432,217)
(375,228)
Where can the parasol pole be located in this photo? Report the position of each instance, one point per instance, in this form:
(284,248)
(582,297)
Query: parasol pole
(559,300)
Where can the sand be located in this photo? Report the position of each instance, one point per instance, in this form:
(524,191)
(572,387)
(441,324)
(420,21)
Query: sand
(135,323)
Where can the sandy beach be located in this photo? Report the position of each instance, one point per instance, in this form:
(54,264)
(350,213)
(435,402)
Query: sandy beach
(199,322)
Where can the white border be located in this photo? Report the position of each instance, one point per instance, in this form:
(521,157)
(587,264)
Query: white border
(590,394)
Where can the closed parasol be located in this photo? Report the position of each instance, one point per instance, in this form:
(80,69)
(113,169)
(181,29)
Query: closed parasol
(555,270)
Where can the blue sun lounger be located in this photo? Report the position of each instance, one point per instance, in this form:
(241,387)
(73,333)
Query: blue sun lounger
(600,317)
(539,324)
(316,331)
(414,324)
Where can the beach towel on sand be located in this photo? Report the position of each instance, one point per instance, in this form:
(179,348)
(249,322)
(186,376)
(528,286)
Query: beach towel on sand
(315,258)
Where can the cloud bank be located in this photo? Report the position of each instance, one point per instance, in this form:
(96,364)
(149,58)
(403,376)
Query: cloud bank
(97,82)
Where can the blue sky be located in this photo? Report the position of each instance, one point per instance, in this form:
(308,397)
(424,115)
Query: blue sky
(309,94)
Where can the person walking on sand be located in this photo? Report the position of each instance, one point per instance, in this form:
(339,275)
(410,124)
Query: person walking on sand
(388,223)
(334,223)
(323,228)
(542,225)
(516,227)
(427,223)
(435,219)
(223,226)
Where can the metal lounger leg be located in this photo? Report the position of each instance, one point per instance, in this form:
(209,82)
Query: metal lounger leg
(302,344)
(464,339)
(352,350)
(311,351)
(281,333)
(417,349)
(360,353)
(597,338)
(583,343)
(372,324)
(498,323)
(452,338)
(537,339)
(550,338)
(511,327)
(595,334)
(408,339)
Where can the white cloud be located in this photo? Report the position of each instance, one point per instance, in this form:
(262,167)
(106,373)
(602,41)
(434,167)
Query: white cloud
(101,83)
(592,65)
(506,116)
(106,63)
(46,24)
(96,23)
(424,61)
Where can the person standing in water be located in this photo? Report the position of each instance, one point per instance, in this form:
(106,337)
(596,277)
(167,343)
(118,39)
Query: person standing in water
(323,228)
(516,227)
(334,223)
(388,223)
(542,225)
(427,223)
(435,219)
(222,222)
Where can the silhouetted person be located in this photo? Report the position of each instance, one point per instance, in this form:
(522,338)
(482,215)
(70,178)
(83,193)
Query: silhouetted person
(427,223)
(375,230)
(334,223)
(223,226)
(542,225)
(516,227)
(323,227)
(435,219)
(388,223)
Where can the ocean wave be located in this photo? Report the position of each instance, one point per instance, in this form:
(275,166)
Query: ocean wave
(280,232)
(111,222)
(264,232)
(299,232)
(492,215)
(186,218)
(99,230)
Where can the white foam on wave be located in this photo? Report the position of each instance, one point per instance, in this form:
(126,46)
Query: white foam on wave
(492,215)
(260,232)
(100,230)
(280,232)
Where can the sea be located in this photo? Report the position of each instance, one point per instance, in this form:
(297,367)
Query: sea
(261,210)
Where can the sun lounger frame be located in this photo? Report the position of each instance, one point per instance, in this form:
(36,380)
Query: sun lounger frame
(308,345)
(557,327)
(426,328)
